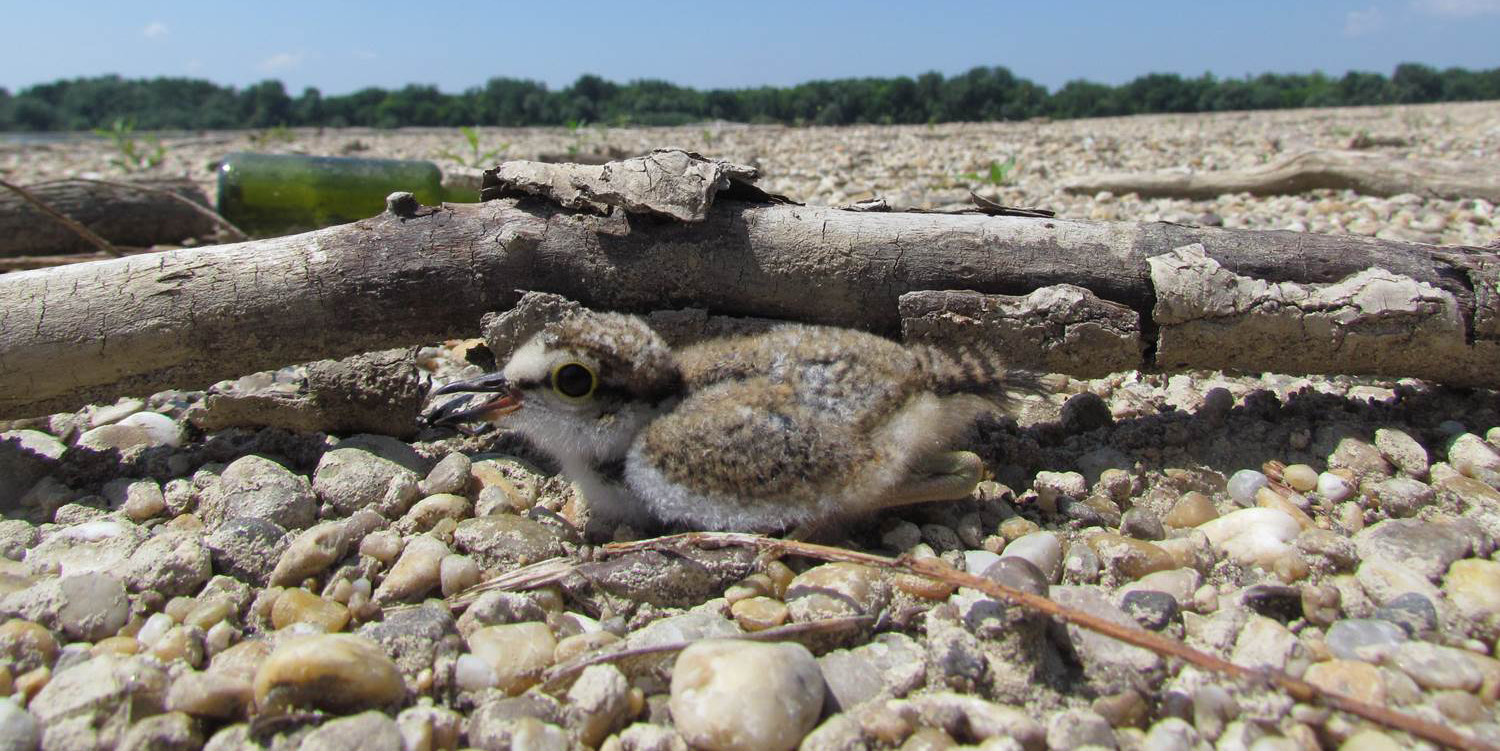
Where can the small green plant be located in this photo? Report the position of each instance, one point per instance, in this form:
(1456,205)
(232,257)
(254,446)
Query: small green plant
(576,129)
(996,174)
(272,136)
(475,156)
(132,155)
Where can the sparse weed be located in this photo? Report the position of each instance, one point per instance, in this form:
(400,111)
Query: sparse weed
(475,156)
(996,175)
(272,136)
(132,155)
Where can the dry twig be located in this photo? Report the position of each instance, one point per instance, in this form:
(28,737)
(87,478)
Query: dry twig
(1295,687)
(235,233)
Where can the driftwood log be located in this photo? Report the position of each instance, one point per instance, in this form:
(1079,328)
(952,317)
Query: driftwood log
(1365,173)
(125,217)
(1071,296)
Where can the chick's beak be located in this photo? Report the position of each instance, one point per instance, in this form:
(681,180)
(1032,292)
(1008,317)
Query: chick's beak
(507,399)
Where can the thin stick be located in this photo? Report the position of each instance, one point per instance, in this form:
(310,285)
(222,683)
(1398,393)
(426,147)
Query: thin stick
(63,219)
(1298,689)
(235,233)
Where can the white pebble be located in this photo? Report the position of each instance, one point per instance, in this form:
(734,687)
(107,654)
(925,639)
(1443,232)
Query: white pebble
(1244,483)
(1252,536)
(1333,487)
(471,673)
(163,430)
(154,629)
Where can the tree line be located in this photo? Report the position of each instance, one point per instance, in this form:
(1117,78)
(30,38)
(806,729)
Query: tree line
(983,93)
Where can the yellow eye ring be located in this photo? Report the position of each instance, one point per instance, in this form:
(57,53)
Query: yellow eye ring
(574,381)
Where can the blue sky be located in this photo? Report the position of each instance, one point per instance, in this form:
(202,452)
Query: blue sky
(343,46)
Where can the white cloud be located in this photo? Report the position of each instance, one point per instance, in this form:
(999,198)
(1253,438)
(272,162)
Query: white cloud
(1358,23)
(1457,8)
(281,61)
(155,30)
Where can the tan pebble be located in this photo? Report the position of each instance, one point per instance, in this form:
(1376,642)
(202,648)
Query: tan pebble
(444,530)
(1489,671)
(517,652)
(27,644)
(242,661)
(457,573)
(178,608)
(186,523)
(1190,510)
(336,672)
(636,701)
(923,587)
(416,572)
(183,643)
(1371,740)
(781,577)
(132,626)
(219,637)
(215,695)
(1320,603)
(1268,498)
(735,695)
(1459,706)
(755,585)
(1300,477)
(1473,586)
(29,683)
(208,613)
(1016,527)
(261,606)
(1189,551)
(1290,567)
(1129,557)
(1352,678)
(759,613)
(383,545)
(889,728)
(549,598)
(434,508)
(143,501)
(835,590)
(7,681)
(301,606)
(581,644)
(116,645)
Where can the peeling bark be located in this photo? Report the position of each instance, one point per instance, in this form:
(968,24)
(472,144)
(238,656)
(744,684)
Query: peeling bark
(1368,174)
(187,318)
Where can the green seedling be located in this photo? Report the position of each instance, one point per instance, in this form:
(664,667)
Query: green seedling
(272,136)
(996,175)
(475,157)
(131,155)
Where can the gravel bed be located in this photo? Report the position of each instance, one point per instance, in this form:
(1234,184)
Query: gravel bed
(163,585)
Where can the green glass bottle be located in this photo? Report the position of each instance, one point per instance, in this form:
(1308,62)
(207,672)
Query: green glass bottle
(277,194)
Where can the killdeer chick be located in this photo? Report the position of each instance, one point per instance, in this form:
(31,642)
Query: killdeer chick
(793,428)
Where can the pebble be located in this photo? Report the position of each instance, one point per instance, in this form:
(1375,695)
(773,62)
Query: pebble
(1412,612)
(247,548)
(170,562)
(1334,487)
(78,707)
(1473,586)
(1041,549)
(517,653)
(1152,609)
(19,729)
(1403,497)
(1142,525)
(1191,510)
(1130,559)
(1364,639)
(1436,667)
(448,476)
(1402,450)
(1473,457)
(1171,734)
(835,590)
(1353,678)
(1384,580)
(1426,548)
(732,695)
(417,572)
(759,613)
(315,549)
(1320,604)
(598,703)
(506,541)
(1244,484)
(1252,536)
(426,513)
(1052,486)
(457,573)
(255,486)
(26,645)
(1360,458)
(214,694)
(301,669)
(91,546)
(297,605)
(350,479)
(1300,477)
(1076,728)
(366,731)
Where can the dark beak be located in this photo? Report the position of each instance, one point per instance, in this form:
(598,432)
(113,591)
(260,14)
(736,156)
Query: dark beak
(464,409)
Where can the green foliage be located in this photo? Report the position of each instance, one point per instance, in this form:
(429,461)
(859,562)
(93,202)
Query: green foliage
(132,156)
(980,94)
(475,156)
(995,175)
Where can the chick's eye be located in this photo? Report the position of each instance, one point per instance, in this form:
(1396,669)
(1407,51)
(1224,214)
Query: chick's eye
(573,380)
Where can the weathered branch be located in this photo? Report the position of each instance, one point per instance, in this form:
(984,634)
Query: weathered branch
(126,214)
(1255,300)
(1369,174)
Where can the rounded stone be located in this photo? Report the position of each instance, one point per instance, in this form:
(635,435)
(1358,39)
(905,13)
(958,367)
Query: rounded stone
(298,605)
(1253,536)
(759,613)
(26,645)
(1403,451)
(733,695)
(1244,484)
(1412,611)
(1363,639)
(350,479)
(1353,678)
(417,572)
(19,729)
(335,672)
(1153,610)
(94,606)
(518,653)
(1300,477)
(1130,559)
(457,573)
(835,590)
(1334,487)
(1437,667)
(1403,496)
(1473,586)
(255,486)
(1142,525)
(1191,510)
(1041,549)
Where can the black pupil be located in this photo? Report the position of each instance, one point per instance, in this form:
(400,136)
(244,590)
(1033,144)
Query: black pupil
(573,380)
